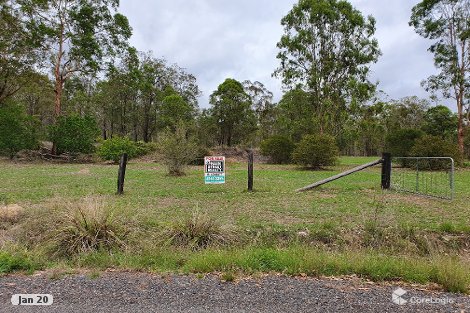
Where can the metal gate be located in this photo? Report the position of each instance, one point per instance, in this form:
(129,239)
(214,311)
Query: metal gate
(427,176)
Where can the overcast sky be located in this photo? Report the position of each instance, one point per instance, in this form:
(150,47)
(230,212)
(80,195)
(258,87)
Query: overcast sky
(218,39)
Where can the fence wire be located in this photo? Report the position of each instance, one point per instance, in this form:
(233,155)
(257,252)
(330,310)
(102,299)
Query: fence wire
(427,176)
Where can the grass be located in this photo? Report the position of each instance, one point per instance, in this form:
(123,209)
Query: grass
(12,262)
(348,226)
(451,273)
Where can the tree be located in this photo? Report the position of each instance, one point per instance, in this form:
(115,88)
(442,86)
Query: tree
(74,134)
(327,49)
(295,116)
(405,113)
(35,96)
(263,106)
(399,143)
(231,108)
(75,35)
(439,121)
(172,110)
(447,22)
(16,58)
(17,130)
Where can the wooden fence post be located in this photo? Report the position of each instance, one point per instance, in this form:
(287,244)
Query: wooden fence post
(386,170)
(121,174)
(250,170)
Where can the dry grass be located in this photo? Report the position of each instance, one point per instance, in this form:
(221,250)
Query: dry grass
(10,214)
(199,231)
(72,228)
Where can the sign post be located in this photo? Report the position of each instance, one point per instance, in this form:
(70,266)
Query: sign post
(214,170)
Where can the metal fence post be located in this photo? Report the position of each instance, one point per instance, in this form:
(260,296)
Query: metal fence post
(417,175)
(452,187)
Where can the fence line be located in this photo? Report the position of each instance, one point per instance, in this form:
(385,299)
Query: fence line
(427,176)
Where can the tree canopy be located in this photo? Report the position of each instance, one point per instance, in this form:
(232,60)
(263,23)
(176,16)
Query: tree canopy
(231,108)
(74,35)
(327,48)
(447,22)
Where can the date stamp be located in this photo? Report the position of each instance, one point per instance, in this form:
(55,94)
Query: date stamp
(32,299)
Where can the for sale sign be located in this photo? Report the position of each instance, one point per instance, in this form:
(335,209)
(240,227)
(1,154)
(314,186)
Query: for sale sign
(214,170)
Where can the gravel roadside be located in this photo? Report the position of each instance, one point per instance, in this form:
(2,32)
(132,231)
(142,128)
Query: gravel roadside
(141,292)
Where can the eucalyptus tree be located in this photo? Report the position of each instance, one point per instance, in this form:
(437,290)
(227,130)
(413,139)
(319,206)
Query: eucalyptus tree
(295,116)
(232,112)
(263,106)
(447,22)
(16,58)
(75,36)
(327,49)
(165,88)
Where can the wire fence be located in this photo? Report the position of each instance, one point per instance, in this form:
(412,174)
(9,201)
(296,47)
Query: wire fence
(427,176)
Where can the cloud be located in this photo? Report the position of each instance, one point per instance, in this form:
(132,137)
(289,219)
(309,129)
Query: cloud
(217,39)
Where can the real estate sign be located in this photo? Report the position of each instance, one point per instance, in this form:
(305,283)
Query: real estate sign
(214,170)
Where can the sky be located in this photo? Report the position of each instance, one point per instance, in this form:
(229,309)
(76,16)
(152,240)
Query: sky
(219,39)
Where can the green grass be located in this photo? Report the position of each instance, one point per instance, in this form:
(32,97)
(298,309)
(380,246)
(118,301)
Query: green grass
(13,262)
(342,221)
(451,273)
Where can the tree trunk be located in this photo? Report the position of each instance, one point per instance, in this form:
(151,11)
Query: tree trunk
(104,129)
(460,130)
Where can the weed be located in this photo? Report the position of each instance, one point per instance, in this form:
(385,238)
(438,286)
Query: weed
(228,276)
(94,274)
(447,227)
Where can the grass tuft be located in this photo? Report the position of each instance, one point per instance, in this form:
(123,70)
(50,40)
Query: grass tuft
(88,228)
(198,232)
(72,228)
(10,214)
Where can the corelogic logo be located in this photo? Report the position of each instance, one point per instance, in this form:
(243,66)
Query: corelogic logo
(397,296)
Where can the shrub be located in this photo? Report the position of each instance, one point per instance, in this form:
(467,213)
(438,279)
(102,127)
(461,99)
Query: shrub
(433,146)
(467,143)
(17,131)
(278,148)
(112,149)
(202,152)
(144,148)
(177,149)
(400,143)
(74,134)
(316,151)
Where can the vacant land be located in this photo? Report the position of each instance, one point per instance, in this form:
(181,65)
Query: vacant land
(348,226)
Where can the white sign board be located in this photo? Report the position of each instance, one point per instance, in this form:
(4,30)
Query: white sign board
(214,170)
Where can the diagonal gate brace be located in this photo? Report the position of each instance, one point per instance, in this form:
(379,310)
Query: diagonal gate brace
(385,159)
